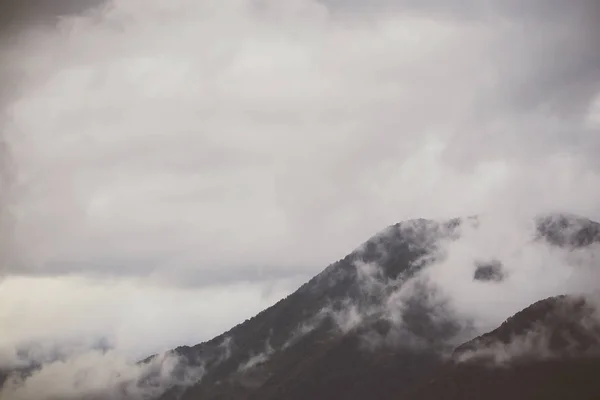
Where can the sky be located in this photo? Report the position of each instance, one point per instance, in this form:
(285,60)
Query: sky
(169,169)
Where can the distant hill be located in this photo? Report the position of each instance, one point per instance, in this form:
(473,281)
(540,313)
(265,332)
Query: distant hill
(550,350)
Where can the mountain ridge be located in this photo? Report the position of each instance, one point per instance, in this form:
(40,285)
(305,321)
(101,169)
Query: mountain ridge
(365,322)
(551,364)
(400,251)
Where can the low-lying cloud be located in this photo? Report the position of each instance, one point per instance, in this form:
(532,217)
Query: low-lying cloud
(443,302)
(569,326)
(101,375)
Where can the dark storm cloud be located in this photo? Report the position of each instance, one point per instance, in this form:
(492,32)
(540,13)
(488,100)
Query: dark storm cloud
(20,14)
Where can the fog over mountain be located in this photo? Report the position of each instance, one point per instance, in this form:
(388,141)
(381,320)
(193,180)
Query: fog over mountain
(170,169)
(385,317)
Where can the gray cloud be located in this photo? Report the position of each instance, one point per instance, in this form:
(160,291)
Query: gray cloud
(98,375)
(544,75)
(18,15)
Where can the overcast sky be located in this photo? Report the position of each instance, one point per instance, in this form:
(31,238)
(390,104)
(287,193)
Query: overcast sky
(171,168)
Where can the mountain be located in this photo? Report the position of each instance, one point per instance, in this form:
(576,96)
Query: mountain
(550,350)
(567,230)
(373,325)
(339,336)
(300,333)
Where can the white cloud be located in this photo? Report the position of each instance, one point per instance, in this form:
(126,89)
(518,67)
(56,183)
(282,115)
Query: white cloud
(295,131)
(100,375)
(133,318)
(534,270)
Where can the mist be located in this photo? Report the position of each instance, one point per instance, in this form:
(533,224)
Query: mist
(100,375)
(454,303)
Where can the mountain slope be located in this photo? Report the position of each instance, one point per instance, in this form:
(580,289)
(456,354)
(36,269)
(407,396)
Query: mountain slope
(550,350)
(298,348)
(398,250)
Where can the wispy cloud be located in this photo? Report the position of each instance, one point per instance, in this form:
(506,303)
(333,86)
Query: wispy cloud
(101,375)
(444,302)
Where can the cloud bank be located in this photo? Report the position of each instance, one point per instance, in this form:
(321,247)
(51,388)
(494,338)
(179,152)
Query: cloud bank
(301,123)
